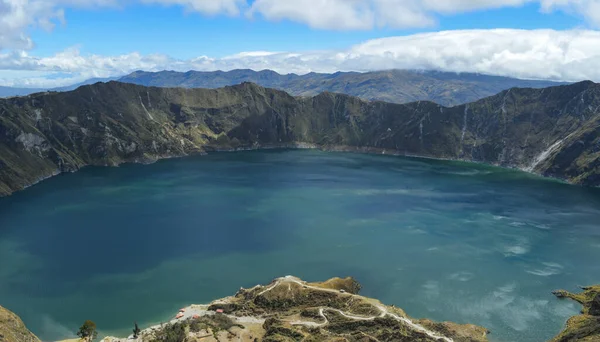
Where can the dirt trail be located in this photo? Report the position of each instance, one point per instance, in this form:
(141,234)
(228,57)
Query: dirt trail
(202,310)
(384,311)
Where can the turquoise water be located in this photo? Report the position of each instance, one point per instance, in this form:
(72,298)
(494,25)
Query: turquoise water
(443,240)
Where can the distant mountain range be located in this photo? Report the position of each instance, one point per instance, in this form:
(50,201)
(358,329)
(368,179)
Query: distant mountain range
(10,91)
(397,86)
(552,131)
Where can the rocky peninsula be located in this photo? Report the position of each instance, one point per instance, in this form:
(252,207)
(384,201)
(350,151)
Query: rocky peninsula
(584,327)
(290,309)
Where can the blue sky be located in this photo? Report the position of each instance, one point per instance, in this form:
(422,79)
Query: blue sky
(170,30)
(59,42)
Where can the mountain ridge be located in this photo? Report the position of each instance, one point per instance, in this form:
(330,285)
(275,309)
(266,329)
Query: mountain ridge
(553,131)
(394,85)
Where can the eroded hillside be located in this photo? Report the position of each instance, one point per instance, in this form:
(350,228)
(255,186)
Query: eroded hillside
(12,329)
(552,131)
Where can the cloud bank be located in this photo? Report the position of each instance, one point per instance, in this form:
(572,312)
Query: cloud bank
(544,54)
(535,54)
(368,14)
(18,16)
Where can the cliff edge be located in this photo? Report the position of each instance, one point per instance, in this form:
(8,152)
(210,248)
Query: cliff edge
(584,327)
(12,328)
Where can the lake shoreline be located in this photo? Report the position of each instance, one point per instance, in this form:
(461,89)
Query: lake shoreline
(293,146)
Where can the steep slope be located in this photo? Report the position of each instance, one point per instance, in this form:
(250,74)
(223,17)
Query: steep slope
(397,86)
(12,328)
(584,327)
(551,131)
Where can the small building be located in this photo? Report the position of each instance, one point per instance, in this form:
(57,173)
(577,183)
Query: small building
(220,311)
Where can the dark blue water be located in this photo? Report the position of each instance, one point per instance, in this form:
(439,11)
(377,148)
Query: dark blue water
(443,240)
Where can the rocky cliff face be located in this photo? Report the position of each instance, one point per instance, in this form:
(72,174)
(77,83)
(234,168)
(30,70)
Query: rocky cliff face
(12,328)
(552,131)
(584,327)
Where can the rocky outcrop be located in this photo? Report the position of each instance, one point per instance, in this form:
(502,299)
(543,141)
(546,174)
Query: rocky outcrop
(552,131)
(12,328)
(290,309)
(584,327)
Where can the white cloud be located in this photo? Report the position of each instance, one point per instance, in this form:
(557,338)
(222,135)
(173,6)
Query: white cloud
(540,54)
(564,55)
(17,16)
(366,14)
(322,14)
(211,7)
(588,9)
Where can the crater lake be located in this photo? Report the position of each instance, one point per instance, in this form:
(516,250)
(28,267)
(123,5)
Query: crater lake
(442,240)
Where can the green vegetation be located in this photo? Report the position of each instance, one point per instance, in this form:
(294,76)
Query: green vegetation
(289,309)
(136,331)
(323,312)
(222,322)
(277,331)
(584,327)
(171,333)
(87,331)
(553,131)
(178,332)
(347,284)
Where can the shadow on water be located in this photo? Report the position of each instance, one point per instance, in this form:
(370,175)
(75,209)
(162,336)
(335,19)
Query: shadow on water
(131,218)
